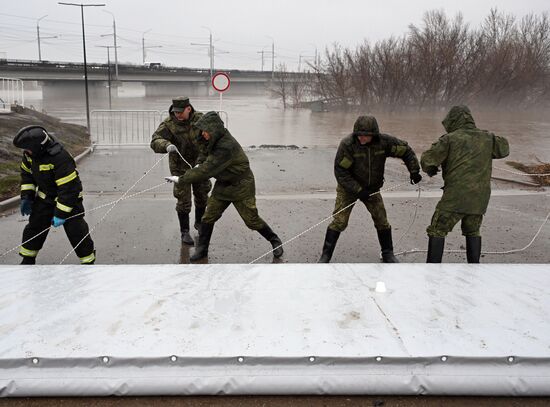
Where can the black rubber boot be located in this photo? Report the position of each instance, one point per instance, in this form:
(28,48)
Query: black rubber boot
(473,249)
(328,247)
(386,245)
(201,249)
(199,212)
(435,249)
(28,260)
(184,229)
(272,238)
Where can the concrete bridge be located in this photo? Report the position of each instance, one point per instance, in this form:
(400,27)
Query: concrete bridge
(59,79)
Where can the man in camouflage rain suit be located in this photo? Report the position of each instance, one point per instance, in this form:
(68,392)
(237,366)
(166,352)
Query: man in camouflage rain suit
(177,133)
(359,169)
(465,155)
(227,162)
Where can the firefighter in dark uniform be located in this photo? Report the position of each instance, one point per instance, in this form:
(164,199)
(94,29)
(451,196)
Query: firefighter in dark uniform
(51,193)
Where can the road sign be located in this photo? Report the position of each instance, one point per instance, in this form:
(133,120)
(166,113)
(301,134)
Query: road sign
(221,82)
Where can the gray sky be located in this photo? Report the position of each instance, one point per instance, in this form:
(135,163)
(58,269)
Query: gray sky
(240,27)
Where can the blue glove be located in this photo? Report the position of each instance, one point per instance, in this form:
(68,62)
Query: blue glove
(56,222)
(26,207)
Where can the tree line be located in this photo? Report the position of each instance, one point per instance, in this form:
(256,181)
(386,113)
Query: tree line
(505,62)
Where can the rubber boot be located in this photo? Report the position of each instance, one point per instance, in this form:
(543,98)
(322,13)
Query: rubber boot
(473,249)
(201,249)
(28,260)
(184,229)
(386,246)
(331,238)
(91,262)
(272,238)
(435,249)
(199,212)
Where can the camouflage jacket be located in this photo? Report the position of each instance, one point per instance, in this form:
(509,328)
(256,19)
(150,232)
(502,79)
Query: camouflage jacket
(465,155)
(225,161)
(182,134)
(358,167)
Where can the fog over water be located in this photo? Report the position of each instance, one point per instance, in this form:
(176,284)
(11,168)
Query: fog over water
(257,120)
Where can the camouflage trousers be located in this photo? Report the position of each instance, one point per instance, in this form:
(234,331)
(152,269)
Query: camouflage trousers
(375,205)
(444,221)
(246,209)
(182,192)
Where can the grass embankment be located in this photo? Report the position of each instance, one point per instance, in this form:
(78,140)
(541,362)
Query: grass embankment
(75,139)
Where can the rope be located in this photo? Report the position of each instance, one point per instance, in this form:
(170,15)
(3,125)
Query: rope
(83,212)
(522,173)
(113,206)
(321,222)
(487,252)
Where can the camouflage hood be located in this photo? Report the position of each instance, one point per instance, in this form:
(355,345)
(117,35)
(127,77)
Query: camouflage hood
(213,124)
(366,126)
(458,117)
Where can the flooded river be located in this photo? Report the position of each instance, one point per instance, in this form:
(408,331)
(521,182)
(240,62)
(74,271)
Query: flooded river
(260,120)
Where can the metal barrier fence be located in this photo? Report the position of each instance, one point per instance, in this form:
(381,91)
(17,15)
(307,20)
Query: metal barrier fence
(11,92)
(123,127)
(128,127)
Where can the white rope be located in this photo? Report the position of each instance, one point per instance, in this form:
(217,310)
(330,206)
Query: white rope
(413,220)
(320,222)
(487,252)
(113,206)
(525,174)
(84,212)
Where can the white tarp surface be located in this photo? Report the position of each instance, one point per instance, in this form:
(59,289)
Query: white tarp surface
(275,329)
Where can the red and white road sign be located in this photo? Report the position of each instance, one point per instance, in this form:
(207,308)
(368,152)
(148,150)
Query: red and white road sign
(221,82)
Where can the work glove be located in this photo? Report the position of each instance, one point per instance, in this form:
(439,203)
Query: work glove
(170,148)
(431,171)
(172,179)
(56,222)
(415,177)
(364,194)
(26,207)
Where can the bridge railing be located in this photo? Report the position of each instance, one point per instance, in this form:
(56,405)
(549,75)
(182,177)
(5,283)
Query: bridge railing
(11,92)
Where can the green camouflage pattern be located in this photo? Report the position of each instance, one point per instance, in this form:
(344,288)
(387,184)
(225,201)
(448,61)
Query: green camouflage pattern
(465,155)
(182,192)
(359,167)
(225,161)
(246,208)
(366,125)
(375,205)
(184,135)
(444,221)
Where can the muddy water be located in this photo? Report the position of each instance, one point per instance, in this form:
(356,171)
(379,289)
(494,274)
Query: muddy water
(260,120)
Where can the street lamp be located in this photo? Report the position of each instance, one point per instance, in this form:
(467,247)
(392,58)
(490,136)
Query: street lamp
(84,48)
(272,57)
(108,70)
(143,47)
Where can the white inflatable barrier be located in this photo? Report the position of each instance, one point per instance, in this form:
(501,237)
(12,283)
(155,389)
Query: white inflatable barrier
(451,329)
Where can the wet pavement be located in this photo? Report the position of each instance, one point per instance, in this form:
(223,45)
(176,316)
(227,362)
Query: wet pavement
(295,190)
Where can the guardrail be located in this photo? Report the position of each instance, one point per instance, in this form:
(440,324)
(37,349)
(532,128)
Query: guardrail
(12,92)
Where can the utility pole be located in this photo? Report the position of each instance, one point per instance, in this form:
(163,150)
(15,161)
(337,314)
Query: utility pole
(211,51)
(272,57)
(108,70)
(38,37)
(262,52)
(145,48)
(84,48)
(114,43)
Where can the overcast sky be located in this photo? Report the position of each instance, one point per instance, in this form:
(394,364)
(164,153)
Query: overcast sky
(241,28)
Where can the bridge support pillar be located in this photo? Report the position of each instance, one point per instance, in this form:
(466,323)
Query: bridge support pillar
(97,90)
(176,88)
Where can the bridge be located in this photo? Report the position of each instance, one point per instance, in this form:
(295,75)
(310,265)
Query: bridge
(59,79)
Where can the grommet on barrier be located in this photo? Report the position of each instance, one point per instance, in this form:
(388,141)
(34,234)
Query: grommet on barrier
(105,359)
(379,358)
(240,359)
(511,359)
(35,361)
(173,358)
(311,359)
(443,358)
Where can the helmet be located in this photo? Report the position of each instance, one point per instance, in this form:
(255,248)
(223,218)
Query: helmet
(33,138)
